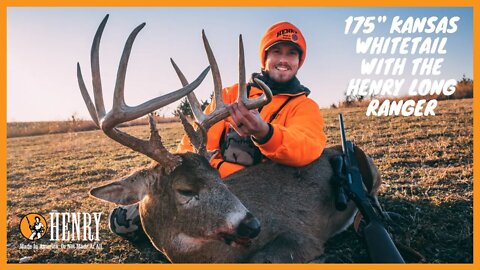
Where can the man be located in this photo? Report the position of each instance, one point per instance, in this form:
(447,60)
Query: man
(37,229)
(288,130)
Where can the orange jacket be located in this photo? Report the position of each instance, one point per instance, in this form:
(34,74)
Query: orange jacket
(297,139)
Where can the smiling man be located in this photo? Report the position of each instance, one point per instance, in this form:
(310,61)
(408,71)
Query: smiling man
(288,130)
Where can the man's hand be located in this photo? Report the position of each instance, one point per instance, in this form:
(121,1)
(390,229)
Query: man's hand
(247,123)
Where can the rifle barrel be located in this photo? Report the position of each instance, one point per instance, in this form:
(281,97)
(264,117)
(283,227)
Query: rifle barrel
(342,133)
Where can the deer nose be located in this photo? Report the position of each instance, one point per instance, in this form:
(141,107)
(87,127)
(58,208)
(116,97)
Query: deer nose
(249,227)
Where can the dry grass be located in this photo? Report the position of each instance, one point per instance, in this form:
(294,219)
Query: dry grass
(23,129)
(426,164)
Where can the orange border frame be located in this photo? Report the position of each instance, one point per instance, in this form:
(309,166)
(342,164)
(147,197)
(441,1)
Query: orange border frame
(305,3)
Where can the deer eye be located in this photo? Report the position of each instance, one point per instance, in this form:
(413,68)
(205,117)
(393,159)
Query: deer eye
(186,196)
(186,192)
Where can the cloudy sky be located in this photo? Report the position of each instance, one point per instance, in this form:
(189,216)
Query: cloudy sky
(44,45)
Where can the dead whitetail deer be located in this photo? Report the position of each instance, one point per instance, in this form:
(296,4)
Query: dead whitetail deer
(189,213)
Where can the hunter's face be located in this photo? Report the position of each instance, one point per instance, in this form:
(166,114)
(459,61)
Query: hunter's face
(282,62)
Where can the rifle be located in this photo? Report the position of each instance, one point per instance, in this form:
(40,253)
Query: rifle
(29,223)
(379,244)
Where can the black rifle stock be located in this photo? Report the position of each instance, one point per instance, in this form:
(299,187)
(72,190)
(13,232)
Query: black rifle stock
(379,244)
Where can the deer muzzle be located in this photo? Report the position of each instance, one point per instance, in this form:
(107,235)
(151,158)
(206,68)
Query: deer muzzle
(249,227)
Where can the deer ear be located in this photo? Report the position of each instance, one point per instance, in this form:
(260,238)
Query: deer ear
(128,190)
(370,173)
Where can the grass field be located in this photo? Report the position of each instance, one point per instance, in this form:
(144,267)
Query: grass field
(426,165)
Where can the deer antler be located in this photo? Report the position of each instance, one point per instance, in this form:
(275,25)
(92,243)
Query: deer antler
(121,112)
(203,121)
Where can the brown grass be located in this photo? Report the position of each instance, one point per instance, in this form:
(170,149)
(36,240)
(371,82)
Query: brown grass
(23,129)
(426,165)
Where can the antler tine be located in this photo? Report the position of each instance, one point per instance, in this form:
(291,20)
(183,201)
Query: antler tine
(118,96)
(86,96)
(265,98)
(217,80)
(120,112)
(191,97)
(242,85)
(197,138)
(95,66)
(98,111)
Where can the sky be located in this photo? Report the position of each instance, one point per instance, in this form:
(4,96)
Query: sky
(44,45)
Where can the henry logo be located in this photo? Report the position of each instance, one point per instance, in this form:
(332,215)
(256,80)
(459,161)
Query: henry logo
(288,34)
(33,226)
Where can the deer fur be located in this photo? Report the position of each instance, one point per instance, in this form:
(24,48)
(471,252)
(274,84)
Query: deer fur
(188,213)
